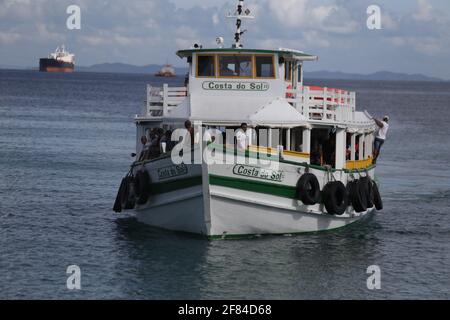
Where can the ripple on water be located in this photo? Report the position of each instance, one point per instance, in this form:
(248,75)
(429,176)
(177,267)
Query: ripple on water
(62,157)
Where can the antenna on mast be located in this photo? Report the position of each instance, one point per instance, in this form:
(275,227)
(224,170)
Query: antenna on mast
(239,15)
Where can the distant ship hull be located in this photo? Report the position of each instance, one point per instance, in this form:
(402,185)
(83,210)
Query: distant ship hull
(53,65)
(165,75)
(166,72)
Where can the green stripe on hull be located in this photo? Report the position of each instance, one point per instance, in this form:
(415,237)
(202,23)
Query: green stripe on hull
(169,186)
(255,186)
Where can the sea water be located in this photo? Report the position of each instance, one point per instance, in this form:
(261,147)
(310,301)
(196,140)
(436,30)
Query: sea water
(65,144)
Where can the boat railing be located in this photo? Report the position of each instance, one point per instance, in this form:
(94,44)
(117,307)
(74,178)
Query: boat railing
(322,103)
(160,101)
(315,103)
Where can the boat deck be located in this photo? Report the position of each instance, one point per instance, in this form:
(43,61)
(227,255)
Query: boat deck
(316,104)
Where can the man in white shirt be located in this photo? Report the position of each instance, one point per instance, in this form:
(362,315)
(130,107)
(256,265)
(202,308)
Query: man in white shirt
(383,127)
(243,137)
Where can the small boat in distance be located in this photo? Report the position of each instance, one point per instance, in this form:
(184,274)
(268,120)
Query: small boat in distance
(166,71)
(59,61)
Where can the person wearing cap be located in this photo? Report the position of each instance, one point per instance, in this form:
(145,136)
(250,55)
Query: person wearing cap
(383,127)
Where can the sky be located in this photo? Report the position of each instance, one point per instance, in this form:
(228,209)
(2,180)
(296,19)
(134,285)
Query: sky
(414,35)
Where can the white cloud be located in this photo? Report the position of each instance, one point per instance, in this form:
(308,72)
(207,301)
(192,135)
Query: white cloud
(306,14)
(388,21)
(423,45)
(425,11)
(8,38)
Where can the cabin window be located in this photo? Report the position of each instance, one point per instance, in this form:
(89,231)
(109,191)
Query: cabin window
(206,66)
(264,67)
(236,66)
(288,71)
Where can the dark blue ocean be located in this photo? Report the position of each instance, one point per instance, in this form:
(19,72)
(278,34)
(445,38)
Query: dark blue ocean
(65,144)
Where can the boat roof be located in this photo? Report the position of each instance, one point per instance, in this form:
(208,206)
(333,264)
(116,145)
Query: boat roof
(278,113)
(286,53)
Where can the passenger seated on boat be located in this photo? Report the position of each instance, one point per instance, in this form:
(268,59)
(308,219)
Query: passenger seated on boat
(166,142)
(243,137)
(208,138)
(145,148)
(329,150)
(348,147)
(154,149)
(316,154)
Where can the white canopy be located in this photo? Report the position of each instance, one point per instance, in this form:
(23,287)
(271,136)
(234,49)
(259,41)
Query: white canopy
(277,113)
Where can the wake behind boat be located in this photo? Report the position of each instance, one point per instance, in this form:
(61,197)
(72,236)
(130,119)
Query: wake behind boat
(246,148)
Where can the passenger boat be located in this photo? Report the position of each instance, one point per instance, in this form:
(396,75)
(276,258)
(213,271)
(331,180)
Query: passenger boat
(307,165)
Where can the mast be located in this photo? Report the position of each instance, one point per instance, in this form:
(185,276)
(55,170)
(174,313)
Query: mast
(240,15)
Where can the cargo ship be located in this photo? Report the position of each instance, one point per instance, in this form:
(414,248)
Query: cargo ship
(166,71)
(59,61)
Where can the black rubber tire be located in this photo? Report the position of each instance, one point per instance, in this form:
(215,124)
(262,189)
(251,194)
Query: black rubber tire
(350,189)
(142,183)
(367,182)
(359,196)
(335,198)
(118,203)
(308,189)
(128,200)
(377,201)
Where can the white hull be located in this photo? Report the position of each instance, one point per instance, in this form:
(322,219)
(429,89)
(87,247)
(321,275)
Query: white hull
(231,217)
(210,208)
(256,218)
(176,212)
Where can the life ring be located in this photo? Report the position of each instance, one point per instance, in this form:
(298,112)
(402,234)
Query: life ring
(128,195)
(335,198)
(142,186)
(308,189)
(359,196)
(377,197)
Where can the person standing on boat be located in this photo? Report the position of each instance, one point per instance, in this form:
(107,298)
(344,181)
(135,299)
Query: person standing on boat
(383,127)
(190,129)
(243,137)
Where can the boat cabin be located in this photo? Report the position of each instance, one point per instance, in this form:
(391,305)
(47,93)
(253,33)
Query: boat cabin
(225,87)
